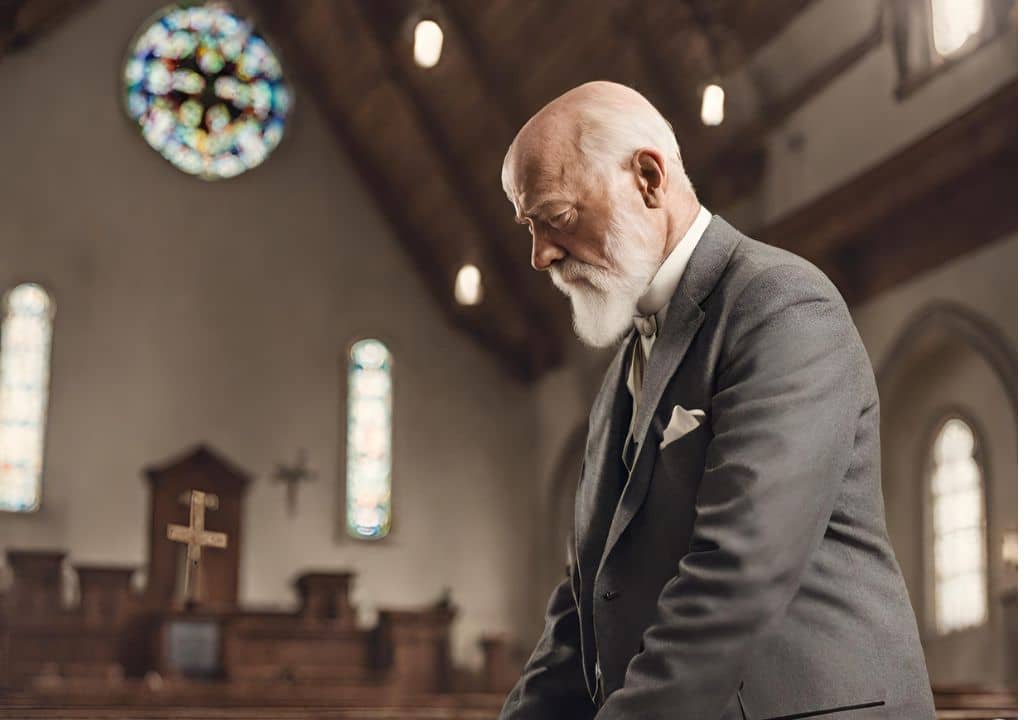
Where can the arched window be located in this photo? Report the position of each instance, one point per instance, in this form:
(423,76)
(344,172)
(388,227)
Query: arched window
(368,471)
(960,577)
(24,387)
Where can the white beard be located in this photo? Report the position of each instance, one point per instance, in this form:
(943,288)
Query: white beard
(603,306)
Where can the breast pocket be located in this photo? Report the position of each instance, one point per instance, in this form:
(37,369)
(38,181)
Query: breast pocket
(683,443)
(681,423)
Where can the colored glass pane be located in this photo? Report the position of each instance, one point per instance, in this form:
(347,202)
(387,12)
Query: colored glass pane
(206,90)
(24,386)
(368,472)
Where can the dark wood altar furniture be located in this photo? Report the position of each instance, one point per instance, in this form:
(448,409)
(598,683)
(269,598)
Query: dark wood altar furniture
(114,644)
(319,643)
(289,649)
(415,647)
(325,597)
(118,646)
(106,594)
(204,470)
(146,648)
(36,595)
(501,666)
(44,641)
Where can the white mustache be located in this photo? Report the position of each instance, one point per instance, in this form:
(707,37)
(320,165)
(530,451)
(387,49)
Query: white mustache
(570,270)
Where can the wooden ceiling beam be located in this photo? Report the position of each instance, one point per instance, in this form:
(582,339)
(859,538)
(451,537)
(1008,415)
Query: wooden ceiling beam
(544,348)
(642,40)
(500,86)
(744,27)
(724,167)
(8,23)
(744,150)
(484,323)
(945,194)
(22,22)
(548,309)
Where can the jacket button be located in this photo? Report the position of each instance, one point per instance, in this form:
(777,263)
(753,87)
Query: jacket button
(610,594)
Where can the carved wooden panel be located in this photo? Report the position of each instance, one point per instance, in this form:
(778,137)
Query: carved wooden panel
(204,470)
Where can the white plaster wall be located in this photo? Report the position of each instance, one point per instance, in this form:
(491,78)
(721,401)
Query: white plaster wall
(220,312)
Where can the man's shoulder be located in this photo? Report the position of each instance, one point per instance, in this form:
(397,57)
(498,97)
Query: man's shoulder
(756,268)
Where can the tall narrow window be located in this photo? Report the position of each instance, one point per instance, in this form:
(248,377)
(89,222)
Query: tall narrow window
(368,472)
(930,36)
(958,529)
(24,387)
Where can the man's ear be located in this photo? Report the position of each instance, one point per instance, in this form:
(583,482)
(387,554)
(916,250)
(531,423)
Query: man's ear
(649,168)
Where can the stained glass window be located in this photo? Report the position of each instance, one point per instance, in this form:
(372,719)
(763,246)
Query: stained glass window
(368,474)
(24,385)
(958,530)
(206,91)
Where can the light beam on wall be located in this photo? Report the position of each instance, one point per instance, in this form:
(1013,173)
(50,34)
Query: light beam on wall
(468,287)
(712,108)
(428,39)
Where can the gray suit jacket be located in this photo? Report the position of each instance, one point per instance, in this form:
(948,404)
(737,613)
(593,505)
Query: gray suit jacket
(743,570)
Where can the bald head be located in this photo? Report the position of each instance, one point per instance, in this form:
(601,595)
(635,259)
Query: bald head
(598,125)
(597,176)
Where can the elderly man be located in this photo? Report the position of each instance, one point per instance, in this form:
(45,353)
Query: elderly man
(731,556)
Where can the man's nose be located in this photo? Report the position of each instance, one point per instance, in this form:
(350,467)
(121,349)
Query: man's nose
(545,252)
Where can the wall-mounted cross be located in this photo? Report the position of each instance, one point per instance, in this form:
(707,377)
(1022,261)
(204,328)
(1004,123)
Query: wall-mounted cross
(292,475)
(196,537)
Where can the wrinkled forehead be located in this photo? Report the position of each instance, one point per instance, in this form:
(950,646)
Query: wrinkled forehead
(541,167)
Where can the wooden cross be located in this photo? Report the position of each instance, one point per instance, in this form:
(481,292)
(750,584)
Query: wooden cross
(196,537)
(292,475)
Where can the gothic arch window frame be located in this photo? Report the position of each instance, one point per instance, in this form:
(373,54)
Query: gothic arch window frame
(981,458)
(961,324)
(344,485)
(43,430)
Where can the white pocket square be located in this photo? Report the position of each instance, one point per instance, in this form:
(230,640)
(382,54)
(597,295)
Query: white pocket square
(682,422)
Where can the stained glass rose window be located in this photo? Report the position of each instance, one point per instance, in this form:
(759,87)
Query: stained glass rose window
(206,90)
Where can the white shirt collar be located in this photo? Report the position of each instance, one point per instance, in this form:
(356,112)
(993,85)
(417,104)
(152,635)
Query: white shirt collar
(663,285)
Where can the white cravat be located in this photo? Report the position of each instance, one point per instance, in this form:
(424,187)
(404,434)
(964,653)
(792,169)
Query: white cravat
(652,308)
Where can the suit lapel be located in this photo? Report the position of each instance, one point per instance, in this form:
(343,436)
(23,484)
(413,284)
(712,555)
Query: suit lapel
(683,319)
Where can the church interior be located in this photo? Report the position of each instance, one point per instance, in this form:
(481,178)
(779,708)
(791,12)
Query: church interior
(287,420)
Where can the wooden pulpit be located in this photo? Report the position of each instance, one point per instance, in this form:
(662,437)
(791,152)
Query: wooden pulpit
(170,486)
(35,594)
